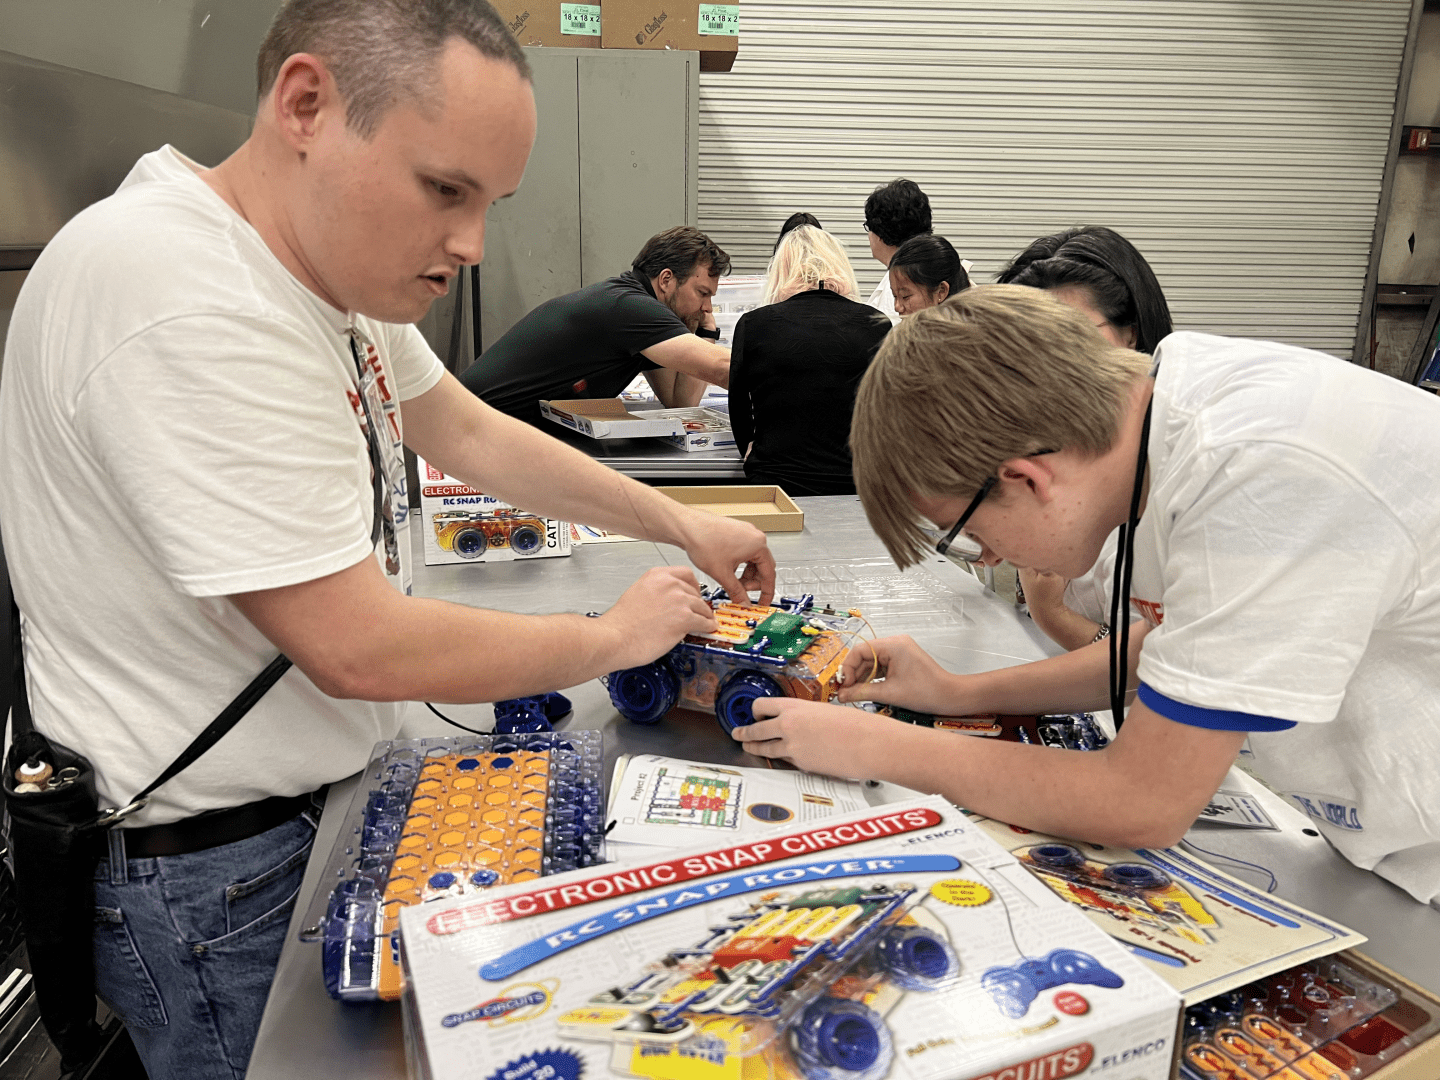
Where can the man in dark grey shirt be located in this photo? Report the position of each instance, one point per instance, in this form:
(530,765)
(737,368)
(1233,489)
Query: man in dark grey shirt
(655,318)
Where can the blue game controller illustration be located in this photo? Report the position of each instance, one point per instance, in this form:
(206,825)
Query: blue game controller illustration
(1014,988)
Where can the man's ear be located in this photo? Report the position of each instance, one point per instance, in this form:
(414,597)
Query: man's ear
(304,99)
(664,283)
(1033,475)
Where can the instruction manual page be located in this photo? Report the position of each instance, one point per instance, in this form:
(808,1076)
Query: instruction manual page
(1200,930)
(666,802)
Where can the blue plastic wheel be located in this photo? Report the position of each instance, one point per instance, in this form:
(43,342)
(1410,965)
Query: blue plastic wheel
(738,693)
(916,957)
(469,543)
(1055,856)
(526,540)
(1137,875)
(644,694)
(839,1039)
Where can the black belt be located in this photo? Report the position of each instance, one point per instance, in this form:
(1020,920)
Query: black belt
(215,827)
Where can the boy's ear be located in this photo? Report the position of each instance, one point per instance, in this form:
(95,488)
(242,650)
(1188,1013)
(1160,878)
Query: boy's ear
(1031,473)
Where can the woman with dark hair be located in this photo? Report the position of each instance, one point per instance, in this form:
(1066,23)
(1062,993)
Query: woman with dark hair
(1099,273)
(794,221)
(923,272)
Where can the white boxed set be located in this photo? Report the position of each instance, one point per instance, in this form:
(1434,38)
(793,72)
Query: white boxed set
(462,525)
(896,941)
(609,418)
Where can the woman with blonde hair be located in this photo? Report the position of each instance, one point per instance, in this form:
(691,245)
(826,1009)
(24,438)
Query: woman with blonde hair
(795,365)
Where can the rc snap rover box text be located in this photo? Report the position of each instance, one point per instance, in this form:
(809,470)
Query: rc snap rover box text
(462,525)
(898,941)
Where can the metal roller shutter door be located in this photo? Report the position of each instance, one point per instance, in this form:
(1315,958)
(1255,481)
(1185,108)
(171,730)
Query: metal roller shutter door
(1239,145)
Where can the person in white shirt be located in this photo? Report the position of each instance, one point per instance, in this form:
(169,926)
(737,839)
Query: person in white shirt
(1099,273)
(1286,560)
(201,373)
(894,213)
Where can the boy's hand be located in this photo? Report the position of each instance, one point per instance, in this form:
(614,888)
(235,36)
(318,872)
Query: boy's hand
(1044,591)
(819,738)
(653,614)
(910,677)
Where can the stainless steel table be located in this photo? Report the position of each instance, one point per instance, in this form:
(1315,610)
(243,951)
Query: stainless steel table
(304,1033)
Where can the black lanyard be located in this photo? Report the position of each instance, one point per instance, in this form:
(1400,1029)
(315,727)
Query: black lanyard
(1120,592)
(372,441)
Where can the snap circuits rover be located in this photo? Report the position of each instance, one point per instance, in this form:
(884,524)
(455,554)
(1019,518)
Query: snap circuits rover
(787,649)
(1132,892)
(794,987)
(470,533)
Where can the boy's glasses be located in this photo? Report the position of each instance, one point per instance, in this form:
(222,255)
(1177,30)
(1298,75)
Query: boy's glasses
(967,553)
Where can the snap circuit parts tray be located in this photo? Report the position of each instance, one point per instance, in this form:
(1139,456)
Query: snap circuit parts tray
(450,817)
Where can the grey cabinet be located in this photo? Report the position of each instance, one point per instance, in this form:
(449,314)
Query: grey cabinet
(614,163)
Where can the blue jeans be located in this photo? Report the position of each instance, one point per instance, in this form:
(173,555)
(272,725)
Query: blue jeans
(186,947)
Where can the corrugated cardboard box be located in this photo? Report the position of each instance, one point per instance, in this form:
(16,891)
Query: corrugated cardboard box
(763,505)
(551,23)
(609,418)
(711,29)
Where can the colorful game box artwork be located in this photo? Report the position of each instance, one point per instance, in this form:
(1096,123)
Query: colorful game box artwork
(697,796)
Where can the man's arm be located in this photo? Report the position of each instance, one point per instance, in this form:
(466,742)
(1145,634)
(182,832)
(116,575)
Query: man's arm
(1143,790)
(694,356)
(675,389)
(457,432)
(1045,595)
(355,636)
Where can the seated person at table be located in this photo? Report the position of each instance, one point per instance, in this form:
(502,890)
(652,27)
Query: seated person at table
(1287,559)
(924,271)
(795,365)
(794,221)
(1099,273)
(655,318)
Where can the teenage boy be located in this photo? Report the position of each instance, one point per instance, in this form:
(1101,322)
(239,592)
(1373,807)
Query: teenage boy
(203,374)
(1287,560)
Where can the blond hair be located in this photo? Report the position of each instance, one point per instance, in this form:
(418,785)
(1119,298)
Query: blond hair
(806,257)
(997,372)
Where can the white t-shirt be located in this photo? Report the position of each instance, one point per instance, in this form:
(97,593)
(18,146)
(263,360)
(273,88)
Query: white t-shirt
(182,422)
(1290,555)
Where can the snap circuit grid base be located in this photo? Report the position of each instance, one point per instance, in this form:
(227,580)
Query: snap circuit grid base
(445,817)
(1324,1020)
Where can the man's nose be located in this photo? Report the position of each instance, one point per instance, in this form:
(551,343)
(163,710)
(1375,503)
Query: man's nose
(467,245)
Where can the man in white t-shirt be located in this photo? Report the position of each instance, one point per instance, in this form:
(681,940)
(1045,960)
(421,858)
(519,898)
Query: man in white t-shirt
(894,213)
(1287,560)
(202,375)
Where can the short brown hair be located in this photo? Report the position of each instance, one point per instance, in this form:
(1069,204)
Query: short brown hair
(680,250)
(381,50)
(997,372)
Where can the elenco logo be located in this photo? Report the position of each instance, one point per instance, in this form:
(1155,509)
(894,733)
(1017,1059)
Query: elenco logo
(523,1001)
(1062,1063)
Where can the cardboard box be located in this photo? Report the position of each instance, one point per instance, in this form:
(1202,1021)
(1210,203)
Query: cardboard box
(462,525)
(610,418)
(552,23)
(765,506)
(711,29)
(897,941)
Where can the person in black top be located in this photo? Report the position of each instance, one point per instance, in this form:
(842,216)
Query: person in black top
(795,366)
(654,318)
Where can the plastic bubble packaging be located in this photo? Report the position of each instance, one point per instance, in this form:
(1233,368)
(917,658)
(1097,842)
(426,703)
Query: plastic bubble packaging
(1324,1020)
(448,817)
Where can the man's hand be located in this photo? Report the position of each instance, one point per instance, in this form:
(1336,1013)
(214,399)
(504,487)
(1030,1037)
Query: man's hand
(910,677)
(1045,595)
(718,545)
(655,613)
(820,738)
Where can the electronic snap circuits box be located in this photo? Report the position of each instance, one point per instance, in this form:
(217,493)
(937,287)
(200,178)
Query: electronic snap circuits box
(609,418)
(462,525)
(897,941)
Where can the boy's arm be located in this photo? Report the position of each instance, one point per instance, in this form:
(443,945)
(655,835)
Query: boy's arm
(1143,790)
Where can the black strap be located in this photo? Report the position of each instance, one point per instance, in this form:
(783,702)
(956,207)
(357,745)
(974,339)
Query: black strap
(1120,592)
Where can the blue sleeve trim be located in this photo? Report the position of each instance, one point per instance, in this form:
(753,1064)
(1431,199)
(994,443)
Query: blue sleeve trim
(1216,719)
